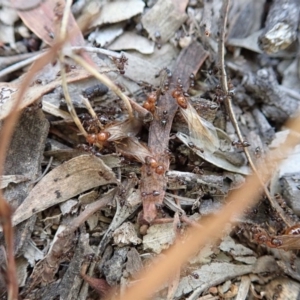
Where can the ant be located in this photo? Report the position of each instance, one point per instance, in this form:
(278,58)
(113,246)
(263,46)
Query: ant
(100,137)
(149,104)
(192,80)
(120,63)
(154,94)
(164,119)
(150,161)
(239,144)
(179,95)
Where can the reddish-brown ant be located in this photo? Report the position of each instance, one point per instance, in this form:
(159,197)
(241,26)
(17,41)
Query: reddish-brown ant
(97,137)
(151,162)
(179,95)
(149,104)
(289,240)
(160,170)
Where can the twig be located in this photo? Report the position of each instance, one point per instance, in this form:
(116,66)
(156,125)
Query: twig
(91,110)
(70,105)
(228,104)
(104,79)
(97,50)
(46,170)
(20,65)
(64,21)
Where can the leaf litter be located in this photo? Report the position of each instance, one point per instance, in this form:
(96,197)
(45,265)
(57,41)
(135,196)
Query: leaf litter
(145,179)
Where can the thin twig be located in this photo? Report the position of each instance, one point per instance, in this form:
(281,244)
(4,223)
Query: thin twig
(68,100)
(64,21)
(97,50)
(46,170)
(20,65)
(105,80)
(89,107)
(229,109)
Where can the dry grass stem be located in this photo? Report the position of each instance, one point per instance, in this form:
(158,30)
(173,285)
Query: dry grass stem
(229,109)
(64,21)
(20,65)
(105,80)
(69,103)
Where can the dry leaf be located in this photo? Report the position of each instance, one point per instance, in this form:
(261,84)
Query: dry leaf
(126,235)
(130,40)
(64,182)
(211,157)
(120,10)
(40,18)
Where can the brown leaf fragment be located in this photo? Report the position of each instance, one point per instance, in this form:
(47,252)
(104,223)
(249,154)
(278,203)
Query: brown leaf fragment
(40,17)
(64,182)
(99,285)
(165,17)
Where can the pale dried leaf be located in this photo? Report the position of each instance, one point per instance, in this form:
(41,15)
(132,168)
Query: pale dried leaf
(229,245)
(134,262)
(132,41)
(202,133)
(32,253)
(106,35)
(39,17)
(217,272)
(159,237)
(92,221)
(126,235)
(64,182)
(117,11)
(213,158)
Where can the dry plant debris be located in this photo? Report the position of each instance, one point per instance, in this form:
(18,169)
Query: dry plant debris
(167,170)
